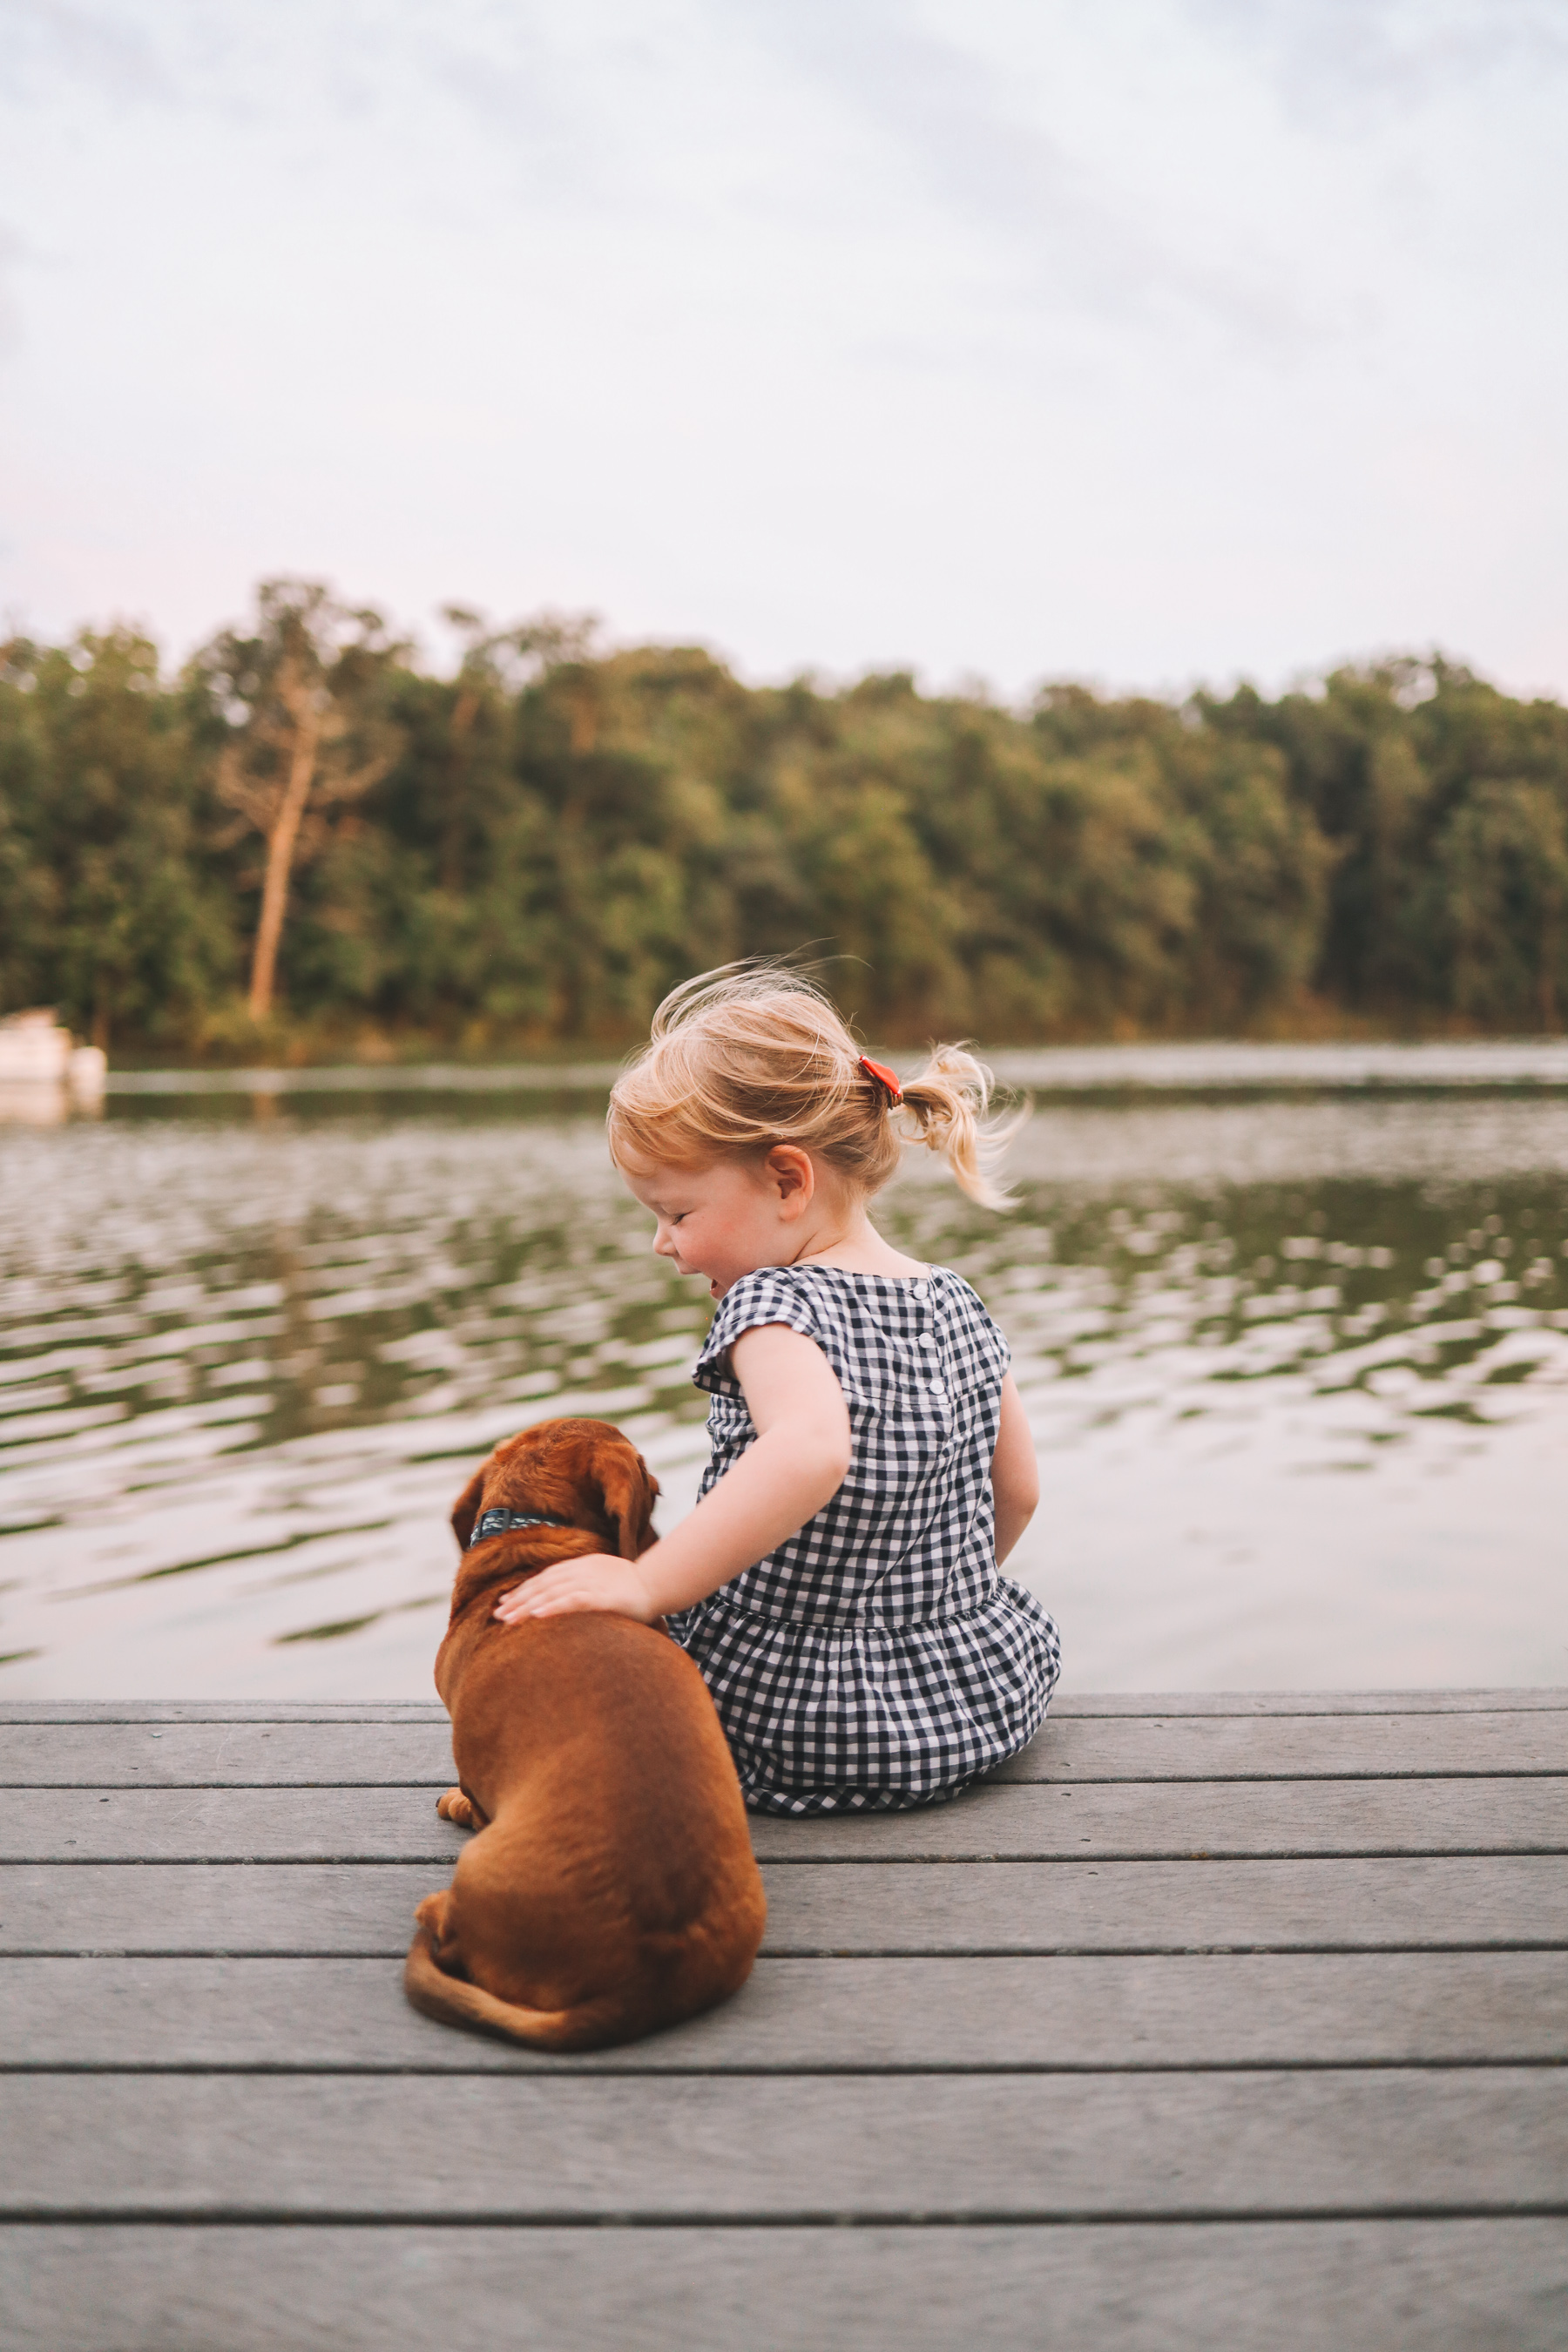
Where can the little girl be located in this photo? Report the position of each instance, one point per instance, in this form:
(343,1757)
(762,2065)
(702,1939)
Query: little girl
(836,1582)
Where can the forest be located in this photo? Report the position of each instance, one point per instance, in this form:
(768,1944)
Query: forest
(308,844)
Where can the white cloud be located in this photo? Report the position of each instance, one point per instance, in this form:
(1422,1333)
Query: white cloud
(1351,63)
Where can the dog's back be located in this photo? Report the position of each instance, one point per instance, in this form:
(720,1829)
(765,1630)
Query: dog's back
(612,1889)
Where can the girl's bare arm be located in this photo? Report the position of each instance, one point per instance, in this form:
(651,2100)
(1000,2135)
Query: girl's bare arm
(1014,1472)
(799,1459)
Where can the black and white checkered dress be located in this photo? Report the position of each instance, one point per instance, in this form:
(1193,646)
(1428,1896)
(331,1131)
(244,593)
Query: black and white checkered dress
(877,1658)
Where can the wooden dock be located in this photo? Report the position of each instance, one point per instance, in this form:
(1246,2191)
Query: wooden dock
(1212,2022)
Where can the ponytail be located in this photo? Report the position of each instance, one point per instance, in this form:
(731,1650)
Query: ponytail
(754,1054)
(948,1103)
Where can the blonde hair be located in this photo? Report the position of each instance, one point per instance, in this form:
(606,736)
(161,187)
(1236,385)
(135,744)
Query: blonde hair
(754,1054)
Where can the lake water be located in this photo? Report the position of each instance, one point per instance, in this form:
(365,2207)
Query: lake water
(1297,1369)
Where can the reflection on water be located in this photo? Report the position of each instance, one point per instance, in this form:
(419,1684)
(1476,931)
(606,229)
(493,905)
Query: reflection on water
(1298,1373)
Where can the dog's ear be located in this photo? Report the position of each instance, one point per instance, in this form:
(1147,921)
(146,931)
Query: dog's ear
(630,1491)
(466,1509)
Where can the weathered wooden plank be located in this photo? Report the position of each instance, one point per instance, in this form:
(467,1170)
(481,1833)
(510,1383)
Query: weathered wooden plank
(1483,1902)
(208,1710)
(1291,1748)
(1069,1704)
(225,1755)
(1077,1749)
(797,2016)
(1205,1820)
(375,1824)
(1130,1822)
(1335,2144)
(1422,2287)
(1461,1902)
(302,1908)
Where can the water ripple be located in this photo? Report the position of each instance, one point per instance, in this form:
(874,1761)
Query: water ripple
(1298,1372)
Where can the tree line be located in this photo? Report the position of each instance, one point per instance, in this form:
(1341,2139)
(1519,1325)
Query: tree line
(308,842)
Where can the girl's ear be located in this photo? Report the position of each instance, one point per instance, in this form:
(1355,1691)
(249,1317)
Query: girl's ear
(466,1509)
(793,1177)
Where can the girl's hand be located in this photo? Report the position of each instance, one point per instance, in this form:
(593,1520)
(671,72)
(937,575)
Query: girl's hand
(597,1580)
(802,1451)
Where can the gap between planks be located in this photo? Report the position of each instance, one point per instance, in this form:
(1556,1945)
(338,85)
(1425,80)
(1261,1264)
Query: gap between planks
(1069,1707)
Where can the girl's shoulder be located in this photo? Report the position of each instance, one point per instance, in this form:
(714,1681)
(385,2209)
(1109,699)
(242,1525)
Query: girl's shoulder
(842,1310)
(966,1315)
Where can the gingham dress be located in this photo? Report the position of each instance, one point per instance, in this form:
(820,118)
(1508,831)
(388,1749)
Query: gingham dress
(877,1658)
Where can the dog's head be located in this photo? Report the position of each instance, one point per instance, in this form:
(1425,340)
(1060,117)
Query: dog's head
(583,1472)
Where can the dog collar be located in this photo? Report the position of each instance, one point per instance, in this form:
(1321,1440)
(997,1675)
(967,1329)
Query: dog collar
(502,1523)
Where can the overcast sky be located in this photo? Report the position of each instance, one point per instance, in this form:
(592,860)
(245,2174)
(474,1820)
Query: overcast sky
(1144,340)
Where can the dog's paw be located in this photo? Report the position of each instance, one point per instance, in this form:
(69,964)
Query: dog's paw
(457,1807)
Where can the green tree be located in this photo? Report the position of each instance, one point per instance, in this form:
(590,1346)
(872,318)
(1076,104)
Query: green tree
(535,846)
(1500,890)
(110,913)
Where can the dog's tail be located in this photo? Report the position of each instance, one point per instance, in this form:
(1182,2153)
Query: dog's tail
(455,2002)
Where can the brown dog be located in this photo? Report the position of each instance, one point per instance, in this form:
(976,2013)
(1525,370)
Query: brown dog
(612,1888)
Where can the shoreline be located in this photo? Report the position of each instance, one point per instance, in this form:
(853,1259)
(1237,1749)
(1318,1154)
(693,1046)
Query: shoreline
(1215,1065)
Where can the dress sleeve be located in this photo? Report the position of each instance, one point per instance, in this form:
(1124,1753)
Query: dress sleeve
(992,1337)
(773,1296)
(1003,1346)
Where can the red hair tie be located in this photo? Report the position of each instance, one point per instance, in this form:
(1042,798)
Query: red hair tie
(884,1077)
